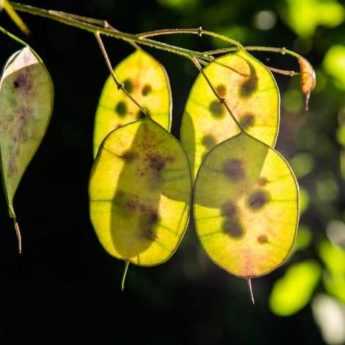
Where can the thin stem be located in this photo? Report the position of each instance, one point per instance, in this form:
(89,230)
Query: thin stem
(194,31)
(19,236)
(279,50)
(12,36)
(71,20)
(250,287)
(287,72)
(222,38)
(220,51)
(118,84)
(282,51)
(221,99)
(124,275)
(100,22)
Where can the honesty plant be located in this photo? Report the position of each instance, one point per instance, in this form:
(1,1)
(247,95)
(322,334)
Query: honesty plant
(144,181)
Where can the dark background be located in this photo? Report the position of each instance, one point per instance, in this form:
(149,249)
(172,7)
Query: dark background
(65,287)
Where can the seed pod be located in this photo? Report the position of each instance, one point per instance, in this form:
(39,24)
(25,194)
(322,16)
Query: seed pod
(26,104)
(140,189)
(146,80)
(251,93)
(246,207)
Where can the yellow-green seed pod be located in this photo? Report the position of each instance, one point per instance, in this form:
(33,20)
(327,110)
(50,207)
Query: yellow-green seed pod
(251,93)
(140,189)
(246,206)
(146,80)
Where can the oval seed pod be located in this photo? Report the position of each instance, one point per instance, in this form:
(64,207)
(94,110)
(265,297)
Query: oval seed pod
(140,189)
(246,206)
(308,79)
(146,80)
(26,104)
(251,93)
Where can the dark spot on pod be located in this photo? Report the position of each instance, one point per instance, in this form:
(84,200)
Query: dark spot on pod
(221,90)
(258,199)
(132,205)
(121,108)
(262,239)
(149,234)
(217,108)
(128,85)
(250,84)
(262,181)
(229,209)
(208,140)
(233,169)
(146,90)
(147,221)
(247,121)
(233,228)
(156,162)
(129,156)
(21,82)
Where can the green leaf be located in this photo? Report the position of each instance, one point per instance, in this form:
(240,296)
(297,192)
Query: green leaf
(147,82)
(334,64)
(334,279)
(246,206)
(305,16)
(252,95)
(140,189)
(294,290)
(26,104)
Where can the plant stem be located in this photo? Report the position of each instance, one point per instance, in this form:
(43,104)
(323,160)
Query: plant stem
(78,22)
(221,99)
(12,36)
(194,31)
(117,82)
(124,275)
(102,27)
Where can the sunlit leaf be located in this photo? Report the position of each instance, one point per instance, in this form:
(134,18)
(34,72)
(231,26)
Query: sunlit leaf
(251,93)
(140,190)
(334,64)
(294,290)
(333,257)
(246,206)
(305,16)
(26,103)
(335,285)
(147,82)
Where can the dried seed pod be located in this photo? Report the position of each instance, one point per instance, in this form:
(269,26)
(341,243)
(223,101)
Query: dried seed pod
(308,79)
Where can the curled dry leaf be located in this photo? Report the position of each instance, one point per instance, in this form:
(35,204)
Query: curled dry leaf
(308,79)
